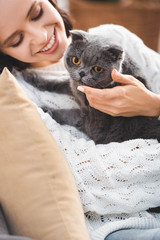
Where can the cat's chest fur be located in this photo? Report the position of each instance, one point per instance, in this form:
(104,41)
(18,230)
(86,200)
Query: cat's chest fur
(96,124)
(92,123)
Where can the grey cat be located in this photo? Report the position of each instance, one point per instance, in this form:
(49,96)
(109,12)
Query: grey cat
(90,60)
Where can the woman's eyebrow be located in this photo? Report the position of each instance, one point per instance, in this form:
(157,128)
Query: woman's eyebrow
(15,33)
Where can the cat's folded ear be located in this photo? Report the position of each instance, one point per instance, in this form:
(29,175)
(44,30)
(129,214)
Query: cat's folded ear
(114,52)
(79,35)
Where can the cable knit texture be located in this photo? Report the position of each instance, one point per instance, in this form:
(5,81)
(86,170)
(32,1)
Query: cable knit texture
(117,182)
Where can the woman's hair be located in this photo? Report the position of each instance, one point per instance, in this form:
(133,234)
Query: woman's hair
(10,62)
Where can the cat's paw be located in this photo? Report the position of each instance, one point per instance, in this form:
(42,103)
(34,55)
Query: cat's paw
(47,110)
(158,139)
(79,123)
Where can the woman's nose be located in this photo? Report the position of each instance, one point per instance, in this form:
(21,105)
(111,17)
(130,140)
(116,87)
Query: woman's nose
(38,36)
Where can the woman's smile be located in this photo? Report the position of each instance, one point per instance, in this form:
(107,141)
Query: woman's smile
(36,35)
(51,45)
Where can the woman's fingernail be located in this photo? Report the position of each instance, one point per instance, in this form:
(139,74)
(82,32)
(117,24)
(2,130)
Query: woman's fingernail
(81,89)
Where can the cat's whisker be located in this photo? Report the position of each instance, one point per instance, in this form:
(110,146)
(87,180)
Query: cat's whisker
(111,84)
(101,85)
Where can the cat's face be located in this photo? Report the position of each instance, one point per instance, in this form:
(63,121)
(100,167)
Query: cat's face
(90,60)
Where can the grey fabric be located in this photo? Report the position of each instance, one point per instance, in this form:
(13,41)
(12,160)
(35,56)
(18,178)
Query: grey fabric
(3,226)
(4,233)
(9,237)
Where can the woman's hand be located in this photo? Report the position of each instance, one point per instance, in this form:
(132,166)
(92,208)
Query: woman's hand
(130,99)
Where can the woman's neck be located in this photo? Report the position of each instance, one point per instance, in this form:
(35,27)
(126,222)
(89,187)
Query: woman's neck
(42,64)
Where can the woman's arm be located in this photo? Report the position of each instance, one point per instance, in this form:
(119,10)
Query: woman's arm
(131,99)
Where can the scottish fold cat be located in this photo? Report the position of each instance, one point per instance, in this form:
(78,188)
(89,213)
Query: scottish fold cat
(90,60)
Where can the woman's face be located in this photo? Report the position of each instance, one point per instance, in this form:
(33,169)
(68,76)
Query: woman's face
(31,31)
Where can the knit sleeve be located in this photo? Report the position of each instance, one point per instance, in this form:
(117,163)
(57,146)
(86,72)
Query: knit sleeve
(113,178)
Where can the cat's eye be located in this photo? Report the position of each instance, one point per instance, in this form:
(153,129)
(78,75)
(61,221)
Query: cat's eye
(76,61)
(98,69)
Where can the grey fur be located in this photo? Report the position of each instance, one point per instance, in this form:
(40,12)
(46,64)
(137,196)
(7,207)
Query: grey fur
(93,50)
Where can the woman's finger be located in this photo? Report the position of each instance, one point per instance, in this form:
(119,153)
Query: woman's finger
(124,79)
(96,94)
(89,90)
(117,77)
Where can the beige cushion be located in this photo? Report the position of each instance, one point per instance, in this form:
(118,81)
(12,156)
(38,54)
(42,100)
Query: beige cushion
(37,190)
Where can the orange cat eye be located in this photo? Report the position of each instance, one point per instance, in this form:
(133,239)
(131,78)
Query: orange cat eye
(76,61)
(98,69)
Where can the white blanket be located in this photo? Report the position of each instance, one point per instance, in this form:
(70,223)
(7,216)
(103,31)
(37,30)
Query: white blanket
(117,182)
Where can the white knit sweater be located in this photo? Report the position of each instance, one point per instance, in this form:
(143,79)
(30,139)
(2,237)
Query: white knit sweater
(117,182)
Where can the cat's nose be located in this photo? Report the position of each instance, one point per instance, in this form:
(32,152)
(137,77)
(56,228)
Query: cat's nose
(82,74)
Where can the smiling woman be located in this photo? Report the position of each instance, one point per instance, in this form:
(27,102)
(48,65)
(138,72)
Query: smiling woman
(37,35)
(117,182)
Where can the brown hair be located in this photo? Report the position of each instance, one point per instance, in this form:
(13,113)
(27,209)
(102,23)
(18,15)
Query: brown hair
(10,62)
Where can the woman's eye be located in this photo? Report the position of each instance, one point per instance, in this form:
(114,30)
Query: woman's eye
(38,12)
(98,69)
(76,61)
(17,42)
